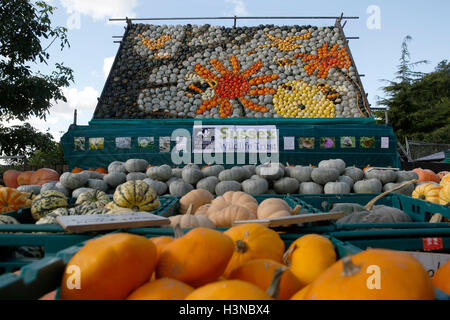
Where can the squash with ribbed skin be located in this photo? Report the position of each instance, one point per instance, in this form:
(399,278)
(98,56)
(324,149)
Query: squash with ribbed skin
(444,195)
(162,289)
(136,195)
(234,198)
(94,197)
(255,186)
(368,186)
(208,183)
(441,278)
(324,175)
(229,290)
(24,178)
(46,202)
(301,173)
(114,179)
(426,175)
(12,200)
(337,164)
(275,208)
(160,243)
(428,192)
(44,175)
(10,178)
(161,173)
(445,180)
(196,198)
(286,185)
(226,186)
(225,217)
(190,221)
(135,165)
(4,219)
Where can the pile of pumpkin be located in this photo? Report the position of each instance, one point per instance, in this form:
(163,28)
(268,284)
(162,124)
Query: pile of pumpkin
(246,262)
(433,187)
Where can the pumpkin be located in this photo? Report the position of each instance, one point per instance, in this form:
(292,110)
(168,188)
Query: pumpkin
(24,178)
(385,176)
(426,175)
(225,217)
(114,179)
(94,174)
(136,195)
(162,289)
(256,186)
(101,170)
(117,166)
(324,175)
(286,185)
(196,198)
(44,175)
(213,171)
(189,221)
(310,188)
(355,173)
(250,168)
(302,174)
(336,188)
(51,217)
(234,198)
(227,186)
(444,195)
(76,170)
(274,208)
(161,173)
(4,219)
(179,188)
(403,176)
(406,190)
(110,268)
(445,180)
(30,189)
(76,193)
(159,186)
(442,174)
(441,278)
(428,192)
(191,175)
(136,176)
(208,183)
(196,258)
(260,272)
(97,184)
(346,179)
(309,256)
(349,278)
(53,185)
(378,214)
(368,186)
(253,241)
(203,210)
(10,178)
(72,181)
(337,164)
(177,172)
(270,171)
(160,243)
(46,202)
(229,290)
(95,197)
(135,165)
(12,200)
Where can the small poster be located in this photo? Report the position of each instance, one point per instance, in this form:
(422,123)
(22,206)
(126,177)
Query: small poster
(327,143)
(164,144)
(367,142)
(306,143)
(289,143)
(79,143)
(123,143)
(384,142)
(181,144)
(348,142)
(146,142)
(204,139)
(96,143)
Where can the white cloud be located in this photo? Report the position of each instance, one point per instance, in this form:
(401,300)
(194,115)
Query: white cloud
(239,8)
(107,64)
(101,9)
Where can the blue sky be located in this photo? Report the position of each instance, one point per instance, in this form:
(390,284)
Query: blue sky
(376,53)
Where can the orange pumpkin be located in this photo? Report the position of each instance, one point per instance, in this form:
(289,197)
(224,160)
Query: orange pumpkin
(300,295)
(253,241)
(441,278)
(10,178)
(309,256)
(444,196)
(445,180)
(12,200)
(229,290)
(196,258)
(109,268)
(427,191)
(44,175)
(373,274)
(101,170)
(260,272)
(426,175)
(161,243)
(162,289)
(24,178)
(442,174)
(77,170)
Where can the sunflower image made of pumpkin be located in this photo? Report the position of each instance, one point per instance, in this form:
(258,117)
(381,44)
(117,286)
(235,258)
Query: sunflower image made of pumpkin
(299,99)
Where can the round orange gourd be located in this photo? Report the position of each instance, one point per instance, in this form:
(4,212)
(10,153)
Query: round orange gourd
(260,272)
(253,241)
(234,198)
(442,174)
(12,200)
(401,277)
(445,180)
(196,258)
(225,217)
(24,178)
(161,243)
(196,198)
(77,170)
(162,289)
(441,278)
(426,175)
(229,290)
(309,256)
(101,170)
(427,191)
(109,268)
(300,295)
(10,178)
(44,175)
(444,196)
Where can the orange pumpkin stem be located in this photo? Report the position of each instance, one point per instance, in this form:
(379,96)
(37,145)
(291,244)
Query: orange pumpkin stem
(241,246)
(349,268)
(274,288)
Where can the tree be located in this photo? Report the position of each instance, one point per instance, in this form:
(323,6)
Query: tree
(418,103)
(26,34)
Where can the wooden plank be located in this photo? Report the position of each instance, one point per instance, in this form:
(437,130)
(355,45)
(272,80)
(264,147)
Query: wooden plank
(98,222)
(302,218)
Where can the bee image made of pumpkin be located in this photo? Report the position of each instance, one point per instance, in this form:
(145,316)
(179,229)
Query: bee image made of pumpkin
(299,99)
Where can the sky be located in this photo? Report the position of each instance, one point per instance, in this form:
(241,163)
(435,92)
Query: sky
(382,26)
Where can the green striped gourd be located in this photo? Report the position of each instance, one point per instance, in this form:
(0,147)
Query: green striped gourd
(46,202)
(136,195)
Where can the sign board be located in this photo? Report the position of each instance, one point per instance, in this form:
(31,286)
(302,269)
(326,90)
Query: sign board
(430,261)
(97,222)
(231,139)
(286,221)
